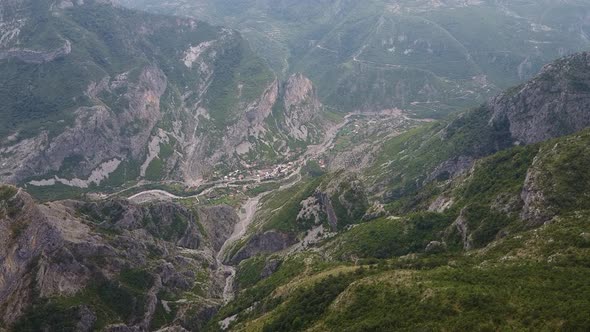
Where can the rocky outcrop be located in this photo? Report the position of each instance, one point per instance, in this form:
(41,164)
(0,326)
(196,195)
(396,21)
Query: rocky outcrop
(219,222)
(123,118)
(554,103)
(60,249)
(264,243)
(434,247)
(195,101)
(99,135)
(302,107)
(460,226)
(36,57)
(326,203)
(536,210)
(256,128)
(451,169)
(270,267)
(32,236)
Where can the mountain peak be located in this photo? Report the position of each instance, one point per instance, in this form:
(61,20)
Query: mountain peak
(554,103)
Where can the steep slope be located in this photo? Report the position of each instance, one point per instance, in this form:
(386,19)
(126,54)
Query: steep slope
(423,168)
(552,104)
(425,56)
(516,227)
(506,217)
(96,96)
(94,265)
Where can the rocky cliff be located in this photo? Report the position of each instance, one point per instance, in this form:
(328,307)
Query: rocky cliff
(172,99)
(553,104)
(100,264)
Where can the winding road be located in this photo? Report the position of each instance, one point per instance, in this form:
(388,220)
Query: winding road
(249,208)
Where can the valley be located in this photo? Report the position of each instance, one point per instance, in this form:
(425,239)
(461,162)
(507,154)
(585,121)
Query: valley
(258,165)
(291,176)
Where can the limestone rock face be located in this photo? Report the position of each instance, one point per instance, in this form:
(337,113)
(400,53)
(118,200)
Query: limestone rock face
(63,249)
(301,107)
(188,108)
(554,103)
(268,242)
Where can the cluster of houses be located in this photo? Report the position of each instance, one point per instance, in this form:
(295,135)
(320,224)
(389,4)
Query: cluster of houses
(236,175)
(276,172)
(265,174)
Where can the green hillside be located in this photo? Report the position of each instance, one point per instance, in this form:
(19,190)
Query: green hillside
(430,59)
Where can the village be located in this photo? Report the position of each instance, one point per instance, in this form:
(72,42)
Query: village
(267,174)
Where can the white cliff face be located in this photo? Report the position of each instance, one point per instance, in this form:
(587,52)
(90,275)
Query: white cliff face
(532,110)
(123,118)
(100,137)
(203,151)
(96,177)
(301,106)
(257,127)
(193,54)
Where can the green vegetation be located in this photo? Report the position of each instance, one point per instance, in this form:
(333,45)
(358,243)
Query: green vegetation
(307,305)
(290,268)
(283,207)
(162,317)
(236,66)
(391,237)
(523,282)
(350,203)
(407,160)
(249,271)
(313,169)
(112,302)
(49,316)
(503,172)
(7,192)
(514,277)
(563,172)
(521,297)
(262,188)
(137,279)
(57,192)
(155,170)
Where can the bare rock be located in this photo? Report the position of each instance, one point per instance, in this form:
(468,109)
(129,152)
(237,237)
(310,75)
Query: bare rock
(86,319)
(435,247)
(265,243)
(270,267)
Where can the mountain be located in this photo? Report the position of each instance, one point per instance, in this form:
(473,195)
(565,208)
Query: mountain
(89,266)
(428,57)
(475,222)
(552,104)
(297,171)
(486,203)
(98,96)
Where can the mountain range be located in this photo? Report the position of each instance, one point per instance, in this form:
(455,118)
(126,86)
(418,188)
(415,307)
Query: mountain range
(427,57)
(111,99)
(300,166)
